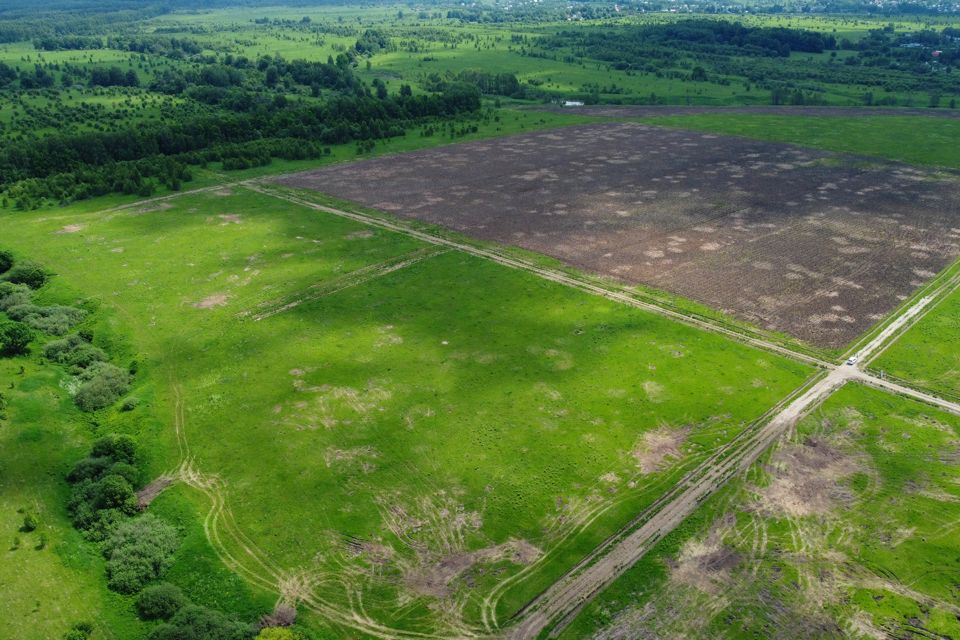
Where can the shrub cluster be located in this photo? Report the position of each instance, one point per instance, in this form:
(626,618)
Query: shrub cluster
(100,385)
(138,552)
(195,622)
(74,352)
(102,494)
(160,601)
(79,631)
(14,338)
(27,272)
(54,319)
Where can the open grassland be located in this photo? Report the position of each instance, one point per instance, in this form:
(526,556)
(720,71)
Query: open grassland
(847,529)
(927,354)
(879,136)
(386,421)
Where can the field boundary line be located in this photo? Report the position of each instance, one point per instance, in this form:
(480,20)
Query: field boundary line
(553,275)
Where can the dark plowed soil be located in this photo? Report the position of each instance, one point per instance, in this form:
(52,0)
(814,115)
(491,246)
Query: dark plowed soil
(807,242)
(641,111)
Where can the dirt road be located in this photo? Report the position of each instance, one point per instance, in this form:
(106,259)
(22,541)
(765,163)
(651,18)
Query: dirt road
(559,604)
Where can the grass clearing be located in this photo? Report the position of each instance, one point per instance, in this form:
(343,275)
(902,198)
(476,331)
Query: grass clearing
(451,410)
(926,355)
(880,136)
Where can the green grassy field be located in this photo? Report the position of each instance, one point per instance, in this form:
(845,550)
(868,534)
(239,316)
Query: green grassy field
(880,136)
(926,355)
(448,409)
(45,591)
(848,528)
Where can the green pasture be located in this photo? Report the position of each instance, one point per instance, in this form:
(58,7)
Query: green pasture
(927,355)
(451,385)
(846,529)
(880,136)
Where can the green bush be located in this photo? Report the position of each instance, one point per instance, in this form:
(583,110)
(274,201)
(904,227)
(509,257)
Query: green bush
(14,338)
(101,384)
(199,623)
(55,319)
(160,602)
(29,273)
(102,495)
(12,295)
(6,261)
(79,631)
(74,352)
(30,523)
(116,446)
(138,552)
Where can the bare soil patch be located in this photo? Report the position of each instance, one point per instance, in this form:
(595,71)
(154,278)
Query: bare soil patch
(657,448)
(149,493)
(71,228)
(434,578)
(807,242)
(229,218)
(212,301)
(806,479)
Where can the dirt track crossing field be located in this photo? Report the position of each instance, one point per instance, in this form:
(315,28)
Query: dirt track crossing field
(803,241)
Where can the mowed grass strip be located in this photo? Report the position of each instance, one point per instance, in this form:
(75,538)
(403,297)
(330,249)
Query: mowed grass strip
(452,410)
(847,529)
(880,136)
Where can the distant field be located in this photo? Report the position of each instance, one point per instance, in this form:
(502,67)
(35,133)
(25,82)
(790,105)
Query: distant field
(880,136)
(405,407)
(794,240)
(848,529)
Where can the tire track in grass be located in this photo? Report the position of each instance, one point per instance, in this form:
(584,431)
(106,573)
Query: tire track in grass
(352,279)
(292,587)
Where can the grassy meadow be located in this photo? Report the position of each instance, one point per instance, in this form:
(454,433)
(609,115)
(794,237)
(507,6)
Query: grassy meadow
(926,355)
(879,136)
(349,386)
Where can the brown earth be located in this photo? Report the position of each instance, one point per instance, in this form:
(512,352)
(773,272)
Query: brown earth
(803,241)
(149,493)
